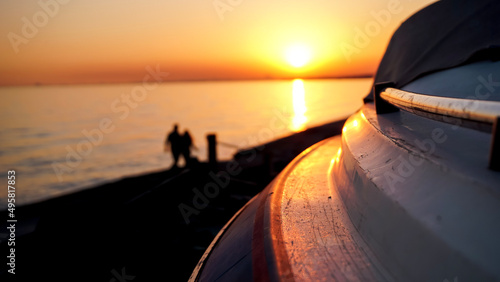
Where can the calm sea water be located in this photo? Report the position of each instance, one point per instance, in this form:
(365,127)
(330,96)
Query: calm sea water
(60,139)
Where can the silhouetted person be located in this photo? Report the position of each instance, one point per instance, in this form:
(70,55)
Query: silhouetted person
(174,141)
(187,143)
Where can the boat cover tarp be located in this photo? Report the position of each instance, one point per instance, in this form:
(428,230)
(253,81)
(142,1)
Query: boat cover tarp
(443,35)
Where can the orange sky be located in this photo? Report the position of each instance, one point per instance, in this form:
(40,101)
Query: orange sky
(93,41)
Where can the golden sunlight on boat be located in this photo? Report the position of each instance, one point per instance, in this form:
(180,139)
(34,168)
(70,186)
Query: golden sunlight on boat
(350,125)
(339,152)
(299,106)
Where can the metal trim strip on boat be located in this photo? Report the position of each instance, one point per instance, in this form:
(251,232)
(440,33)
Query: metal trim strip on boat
(475,114)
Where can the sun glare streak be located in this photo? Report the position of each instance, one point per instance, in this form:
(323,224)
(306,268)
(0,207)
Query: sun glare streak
(299,106)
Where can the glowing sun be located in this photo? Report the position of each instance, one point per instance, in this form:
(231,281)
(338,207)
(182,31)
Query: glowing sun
(298,55)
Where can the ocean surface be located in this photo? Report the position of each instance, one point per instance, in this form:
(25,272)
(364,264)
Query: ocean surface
(60,139)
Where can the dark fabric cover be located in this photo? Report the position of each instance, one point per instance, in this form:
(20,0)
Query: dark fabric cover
(445,34)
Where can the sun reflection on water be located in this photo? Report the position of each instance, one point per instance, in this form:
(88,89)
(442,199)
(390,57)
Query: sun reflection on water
(299,106)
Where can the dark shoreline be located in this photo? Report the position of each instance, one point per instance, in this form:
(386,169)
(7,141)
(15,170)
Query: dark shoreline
(149,226)
(38,84)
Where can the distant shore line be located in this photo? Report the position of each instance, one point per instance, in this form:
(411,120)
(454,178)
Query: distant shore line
(191,80)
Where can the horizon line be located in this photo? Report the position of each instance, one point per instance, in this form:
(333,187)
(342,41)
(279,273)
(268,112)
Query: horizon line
(194,80)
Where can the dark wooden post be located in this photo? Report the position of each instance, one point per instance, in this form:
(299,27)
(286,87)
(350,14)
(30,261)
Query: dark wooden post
(212,149)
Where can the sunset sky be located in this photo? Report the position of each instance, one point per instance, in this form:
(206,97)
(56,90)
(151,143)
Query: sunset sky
(98,41)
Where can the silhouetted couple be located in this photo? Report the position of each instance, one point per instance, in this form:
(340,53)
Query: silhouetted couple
(180,145)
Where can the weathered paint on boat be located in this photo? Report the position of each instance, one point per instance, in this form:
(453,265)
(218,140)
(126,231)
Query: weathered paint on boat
(296,229)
